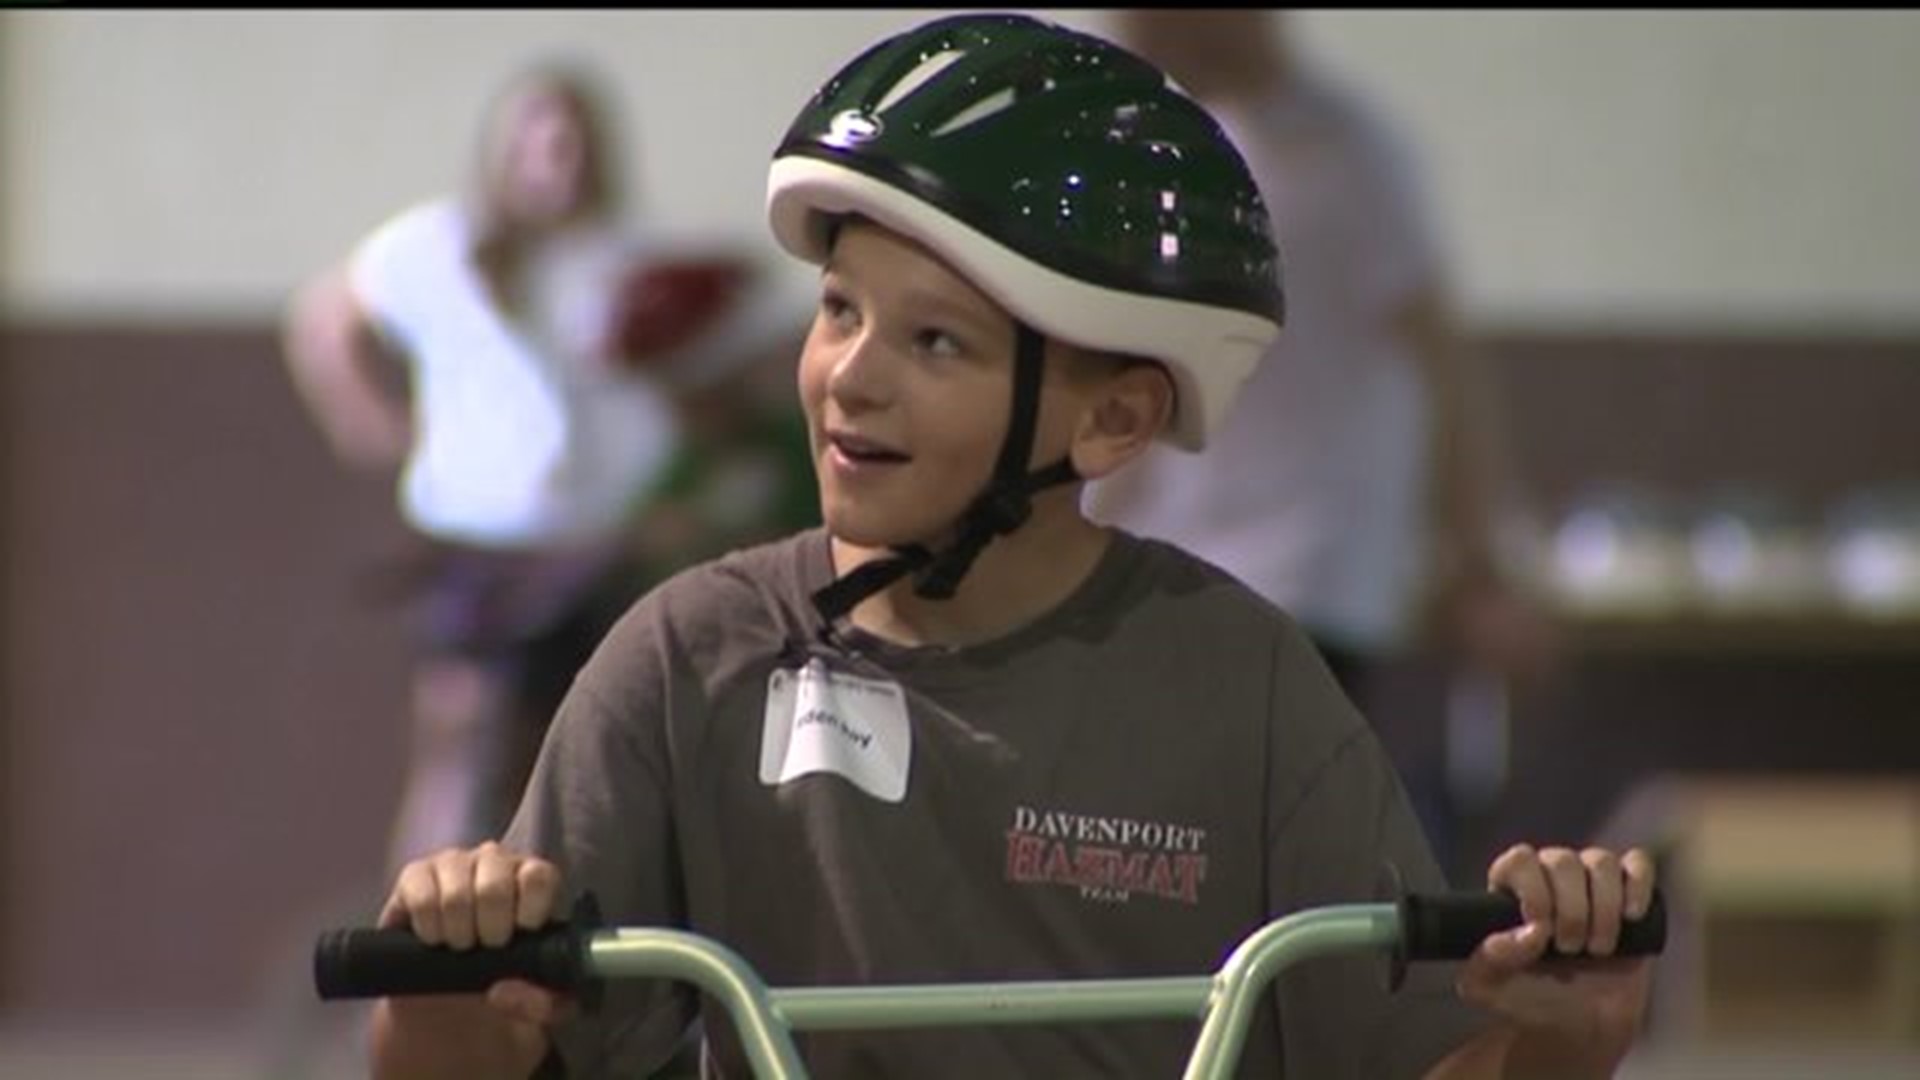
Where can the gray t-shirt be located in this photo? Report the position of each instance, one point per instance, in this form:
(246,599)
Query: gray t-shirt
(1127,786)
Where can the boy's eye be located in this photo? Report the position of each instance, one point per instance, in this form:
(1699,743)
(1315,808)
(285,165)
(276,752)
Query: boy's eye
(836,309)
(938,342)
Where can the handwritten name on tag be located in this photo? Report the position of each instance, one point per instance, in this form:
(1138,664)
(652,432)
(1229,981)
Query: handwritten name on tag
(820,720)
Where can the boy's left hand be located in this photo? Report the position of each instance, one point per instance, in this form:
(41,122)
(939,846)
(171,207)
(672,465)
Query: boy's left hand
(1574,901)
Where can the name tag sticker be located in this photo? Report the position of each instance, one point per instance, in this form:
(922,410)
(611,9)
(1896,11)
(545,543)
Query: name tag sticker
(819,720)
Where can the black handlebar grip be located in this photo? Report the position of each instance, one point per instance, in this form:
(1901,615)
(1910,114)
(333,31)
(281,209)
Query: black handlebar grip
(378,963)
(368,963)
(1449,926)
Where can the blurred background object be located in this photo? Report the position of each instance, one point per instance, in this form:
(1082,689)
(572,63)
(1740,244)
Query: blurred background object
(1362,478)
(1685,248)
(1623,549)
(553,346)
(477,348)
(1752,551)
(1872,552)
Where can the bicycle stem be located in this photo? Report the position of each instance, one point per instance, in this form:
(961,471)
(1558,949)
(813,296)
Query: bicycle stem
(1262,956)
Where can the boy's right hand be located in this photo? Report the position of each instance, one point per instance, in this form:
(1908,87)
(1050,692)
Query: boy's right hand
(462,897)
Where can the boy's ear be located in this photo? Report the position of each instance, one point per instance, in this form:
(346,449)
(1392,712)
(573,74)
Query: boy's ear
(1125,413)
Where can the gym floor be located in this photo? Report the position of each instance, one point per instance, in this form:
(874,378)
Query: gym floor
(245,1049)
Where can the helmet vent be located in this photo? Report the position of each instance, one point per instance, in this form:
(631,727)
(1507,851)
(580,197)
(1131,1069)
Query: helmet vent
(979,110)
(915,79)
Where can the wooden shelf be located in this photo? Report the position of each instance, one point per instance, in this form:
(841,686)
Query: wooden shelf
(1799,634)
(1796,906)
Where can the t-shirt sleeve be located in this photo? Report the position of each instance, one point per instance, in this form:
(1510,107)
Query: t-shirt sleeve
(598,806)
(390,269)
(1341,813)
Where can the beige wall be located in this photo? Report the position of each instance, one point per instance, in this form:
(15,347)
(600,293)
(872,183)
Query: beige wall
(1625,168)
(180,164)
(1606,167)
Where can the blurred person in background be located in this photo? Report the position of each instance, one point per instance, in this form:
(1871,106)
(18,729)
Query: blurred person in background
(743,472)
(524,358)
(1355,484)
(717,327)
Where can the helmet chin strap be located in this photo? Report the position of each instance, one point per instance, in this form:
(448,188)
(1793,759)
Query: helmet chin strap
(1002,507)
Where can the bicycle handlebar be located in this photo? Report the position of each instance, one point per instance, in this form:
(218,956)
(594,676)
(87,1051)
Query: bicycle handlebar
(577,956)
(1450,926)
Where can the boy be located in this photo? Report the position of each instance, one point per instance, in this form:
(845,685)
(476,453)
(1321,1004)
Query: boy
(961,695)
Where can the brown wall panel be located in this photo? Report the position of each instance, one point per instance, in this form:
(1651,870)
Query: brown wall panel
(202,719)
(1807,417)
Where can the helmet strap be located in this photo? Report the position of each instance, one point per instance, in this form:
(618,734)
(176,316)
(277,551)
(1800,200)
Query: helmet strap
(1005,504)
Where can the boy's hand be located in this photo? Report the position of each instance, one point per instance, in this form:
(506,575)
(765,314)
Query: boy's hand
(1576,901)
(480,896)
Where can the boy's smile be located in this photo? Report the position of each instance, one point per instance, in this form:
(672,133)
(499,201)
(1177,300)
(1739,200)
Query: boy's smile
(854,455)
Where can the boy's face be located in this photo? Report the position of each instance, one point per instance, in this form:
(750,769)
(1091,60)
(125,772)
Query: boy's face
(906,379)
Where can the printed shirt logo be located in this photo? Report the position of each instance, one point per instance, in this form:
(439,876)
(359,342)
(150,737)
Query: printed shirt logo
(818,720)
(1109,859)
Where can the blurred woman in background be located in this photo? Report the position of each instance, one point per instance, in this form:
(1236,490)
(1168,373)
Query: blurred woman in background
(473,342)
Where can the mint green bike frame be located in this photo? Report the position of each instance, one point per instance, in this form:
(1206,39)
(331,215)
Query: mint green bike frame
(1224,1001)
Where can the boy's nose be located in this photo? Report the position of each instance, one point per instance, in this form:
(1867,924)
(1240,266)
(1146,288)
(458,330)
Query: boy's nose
(859,379)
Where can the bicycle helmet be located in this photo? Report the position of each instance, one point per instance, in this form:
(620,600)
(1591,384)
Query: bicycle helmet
(1071,181)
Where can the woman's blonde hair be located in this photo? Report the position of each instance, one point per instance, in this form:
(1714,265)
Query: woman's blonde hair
(586,96)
